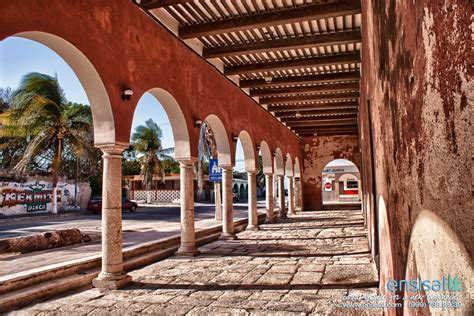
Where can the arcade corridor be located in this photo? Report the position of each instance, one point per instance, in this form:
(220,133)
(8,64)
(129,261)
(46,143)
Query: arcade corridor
(298,83)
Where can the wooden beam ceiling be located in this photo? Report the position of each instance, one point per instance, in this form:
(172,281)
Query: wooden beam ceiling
(309,114)
(309,107)
(270,18)
(333,122)
(155,4)
(335,133)
(319,78)
(302,42)
(310,97)
(305,89)
(290,120)
(318,61)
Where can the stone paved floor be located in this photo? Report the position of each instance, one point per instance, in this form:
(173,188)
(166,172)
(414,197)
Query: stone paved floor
(301,265)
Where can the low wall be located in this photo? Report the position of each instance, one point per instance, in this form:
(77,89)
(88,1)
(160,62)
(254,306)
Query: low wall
(164,196)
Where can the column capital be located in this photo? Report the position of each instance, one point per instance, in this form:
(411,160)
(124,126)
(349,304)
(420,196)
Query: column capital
(268,174)
(186,161)
(290,177)
(112,150)
(227,167)
(252,172)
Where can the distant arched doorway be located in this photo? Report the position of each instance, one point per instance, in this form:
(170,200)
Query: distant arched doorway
(340,183)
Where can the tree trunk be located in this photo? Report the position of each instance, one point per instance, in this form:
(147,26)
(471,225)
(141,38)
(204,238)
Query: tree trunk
(55,170)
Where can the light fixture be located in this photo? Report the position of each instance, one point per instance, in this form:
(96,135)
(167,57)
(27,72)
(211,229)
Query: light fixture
(315,134)
(258,147)
(197,123)
(297,114)
(127,94)
(268,79)
(235,138)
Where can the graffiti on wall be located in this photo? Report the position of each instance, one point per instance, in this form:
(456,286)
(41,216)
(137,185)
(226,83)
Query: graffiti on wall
(34,196)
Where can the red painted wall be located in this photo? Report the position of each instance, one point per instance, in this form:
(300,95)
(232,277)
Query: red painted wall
(129,49)
(317,153)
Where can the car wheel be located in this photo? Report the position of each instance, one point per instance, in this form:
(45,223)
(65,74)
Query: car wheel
(133,208)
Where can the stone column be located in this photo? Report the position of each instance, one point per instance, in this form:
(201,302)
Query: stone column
(218,201)
(297,193)
(291,197)
(269,198)
(112,275)
(336,184)
(188,233)
(275,191)
(227,204)
(281,196)
(252,200)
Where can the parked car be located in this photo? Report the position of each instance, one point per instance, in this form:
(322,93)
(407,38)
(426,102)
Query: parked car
(95,205)
(235,197)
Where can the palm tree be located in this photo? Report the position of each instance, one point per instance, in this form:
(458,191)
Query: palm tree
(52,128)
(208,150)
(146,141)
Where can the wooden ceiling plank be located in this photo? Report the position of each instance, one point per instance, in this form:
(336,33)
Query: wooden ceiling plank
(301,42)
(316,61)
(310,97)
(318,78)
(265,19)
(297,90)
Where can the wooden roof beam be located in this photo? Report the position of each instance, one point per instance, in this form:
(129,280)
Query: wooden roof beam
(265,19)
(322,123)
(309,107)
(308,114)
(310,97)
(155,4)
(319,78)
(315,118)
(295,90)
(302,42)
(318,61)
(335,133)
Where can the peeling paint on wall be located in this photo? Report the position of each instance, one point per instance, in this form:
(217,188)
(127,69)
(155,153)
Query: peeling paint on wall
(317,153)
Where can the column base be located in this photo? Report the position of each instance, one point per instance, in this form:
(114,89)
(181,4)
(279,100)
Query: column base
(282,215)
(292,213)
(252,228)
(227,236)
(187,252)
(109,281)
(269,220)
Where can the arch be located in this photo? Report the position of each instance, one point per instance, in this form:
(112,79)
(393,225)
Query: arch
(266,157)
(279,164)
(242,192)
(222,141)
(348,176)
(182,147)
(235,188)
(289,166)
(103,119)
(297,169)
(249,152)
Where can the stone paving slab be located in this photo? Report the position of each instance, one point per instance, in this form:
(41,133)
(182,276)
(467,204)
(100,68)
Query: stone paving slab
(297,266)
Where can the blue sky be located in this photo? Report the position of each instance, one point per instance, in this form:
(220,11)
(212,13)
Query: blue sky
(19,56)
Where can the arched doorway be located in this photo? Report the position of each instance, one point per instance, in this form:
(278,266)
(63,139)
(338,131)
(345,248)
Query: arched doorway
(159,137)
(340,183)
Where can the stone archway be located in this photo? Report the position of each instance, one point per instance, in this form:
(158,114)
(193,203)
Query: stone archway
(103,119)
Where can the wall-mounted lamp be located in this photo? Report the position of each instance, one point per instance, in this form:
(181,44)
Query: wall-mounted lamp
(315,134)
(258,147)
(235,138)
(268,79)
(197,123)
(127,94)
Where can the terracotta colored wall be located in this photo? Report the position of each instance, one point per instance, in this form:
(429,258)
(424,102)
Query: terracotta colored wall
(129,49)
(317,152)
(415,73)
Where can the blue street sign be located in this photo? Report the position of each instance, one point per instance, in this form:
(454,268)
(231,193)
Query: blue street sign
(215,172)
